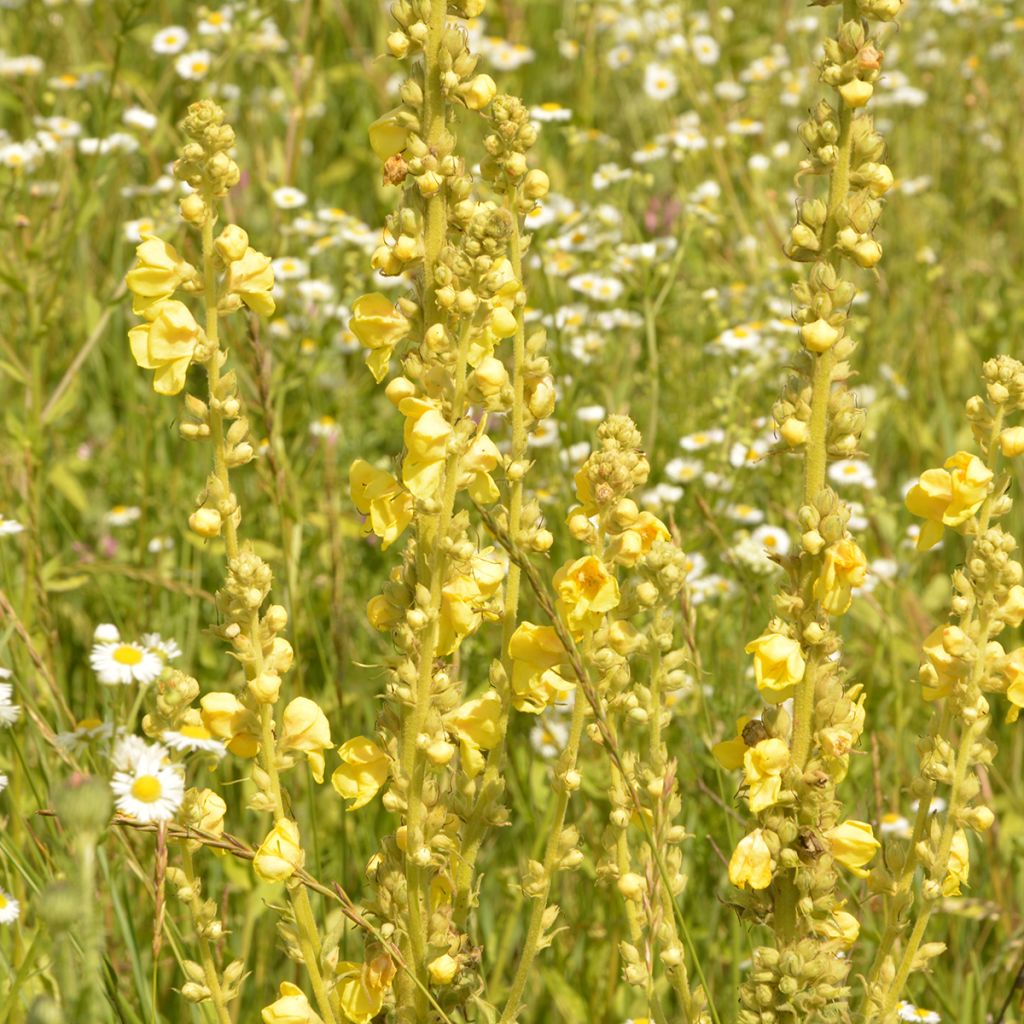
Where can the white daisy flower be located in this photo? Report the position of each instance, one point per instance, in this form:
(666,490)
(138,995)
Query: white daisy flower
(135,229)
(548,112)
(3,781)
(544,434)
(548,737)
(774,540)
(167,649)
(705,50)
(120,663)
(193,737)
(683,471)
(288,268)
(172,39)
(139,117)
(746,514)
(325,427)
(84,733)
(701,439)
(130,751)
(908,1011)
(9,711)
(852,471)
(747,455)
(660,82)
(9,908)
(106,633)
(152,792)
(893,824)
(9,527)
(194,65)
(122,515)
(590,413)
(288,198)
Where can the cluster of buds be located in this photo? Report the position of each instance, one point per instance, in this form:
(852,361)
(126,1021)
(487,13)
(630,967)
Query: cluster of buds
(963,663)
(794,755)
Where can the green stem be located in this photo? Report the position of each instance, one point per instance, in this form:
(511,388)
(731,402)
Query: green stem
(205,953)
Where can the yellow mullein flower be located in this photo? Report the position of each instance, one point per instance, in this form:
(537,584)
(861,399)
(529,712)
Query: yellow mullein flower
(305,728)
(363,770)
(426,446)
(387,505)
(751,862)
(842,926)
(763,767)
(586,593)
(166,344)
(476,724)
(537,652)
(463,599)
(636,541)
(959,864)
(203,809)
(844,568)
(944,648)
(280,855)
(389,134)
(442,969)
(949,496)
(227,718)
(479,462)
(291,1007)
(730,753)
(361,988)
(252,279)
(778,665)
(1013,671)
(853,844)
(159,273)
(585,493)
(379,326)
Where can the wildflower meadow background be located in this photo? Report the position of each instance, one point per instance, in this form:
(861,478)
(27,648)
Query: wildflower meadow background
(507,511)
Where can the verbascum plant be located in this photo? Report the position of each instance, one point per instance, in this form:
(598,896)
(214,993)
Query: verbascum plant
(440,754)
(232,277)
(795,755)
(963,661)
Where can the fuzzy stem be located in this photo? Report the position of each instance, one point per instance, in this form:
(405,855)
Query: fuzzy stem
(205,953)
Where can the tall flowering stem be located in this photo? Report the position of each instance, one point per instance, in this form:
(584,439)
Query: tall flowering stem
(963,661)
(794,760)
(463,255)
(233,276)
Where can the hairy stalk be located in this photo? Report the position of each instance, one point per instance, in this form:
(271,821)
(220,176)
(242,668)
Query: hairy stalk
(205,952)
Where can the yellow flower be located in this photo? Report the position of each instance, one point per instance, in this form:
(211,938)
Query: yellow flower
(159,273)
(361,988)
(763,767)
(280,855)
(751,862)
(252,279)
(227,718)
(291,1007)
(586,592)
(537,652)
(363,771)
(463,599)
(203,809)
(948,497)
(305,728)
(477,725)
(844,568)
(842,926)
(959,864)
(778,665)
(380,326)
(636,541)
(943,649)
(585,493)
(426,436)
(443,969)
(382,499)
(853,844)
(730,753)
(389,134)
(479,462)
(1013,670)
(166,344)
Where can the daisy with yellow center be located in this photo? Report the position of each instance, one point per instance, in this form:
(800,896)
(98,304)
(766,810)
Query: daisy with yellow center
(190,738)
(152,790)
(124,663)
(9,908)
